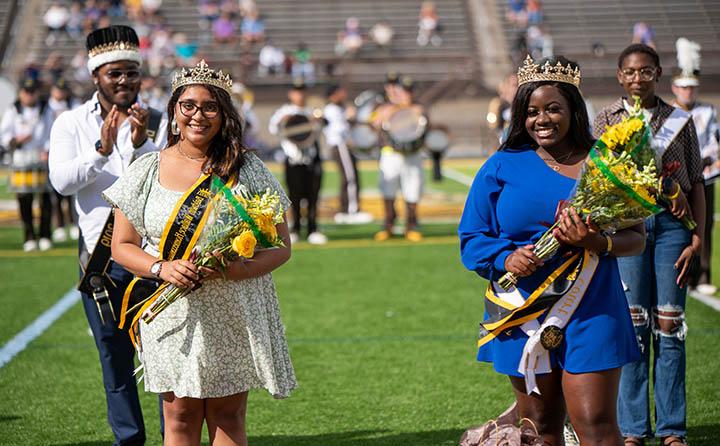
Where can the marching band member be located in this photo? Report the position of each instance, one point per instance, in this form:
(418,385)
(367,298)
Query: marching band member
(61,100)
(90,147)
(401,169)
(25,130)
(336,136)
(685,89)
(303,165)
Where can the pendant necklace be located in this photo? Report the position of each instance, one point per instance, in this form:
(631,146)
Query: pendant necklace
(193,158)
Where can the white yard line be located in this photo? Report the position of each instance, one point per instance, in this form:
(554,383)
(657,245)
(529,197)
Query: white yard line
(457,176)
(710,301)
(37,327)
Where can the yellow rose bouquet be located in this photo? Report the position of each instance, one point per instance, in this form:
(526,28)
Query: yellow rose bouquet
(618,187)
(238,226)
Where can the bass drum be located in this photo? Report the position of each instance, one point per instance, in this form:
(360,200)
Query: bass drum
(365,103)
(406,128)
(363,138)
(301,129)
(437,140)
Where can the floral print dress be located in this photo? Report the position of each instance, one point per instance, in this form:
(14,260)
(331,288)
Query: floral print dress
(224,338)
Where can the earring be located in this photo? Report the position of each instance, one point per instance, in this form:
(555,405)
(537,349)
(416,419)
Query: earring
(174,127)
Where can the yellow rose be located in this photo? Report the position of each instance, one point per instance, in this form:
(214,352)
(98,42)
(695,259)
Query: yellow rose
(267,226)
(244,244)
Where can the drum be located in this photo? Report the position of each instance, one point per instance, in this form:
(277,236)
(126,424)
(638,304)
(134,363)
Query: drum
(24,180)
(301,129)
(437,140)
(363,137)
(406,128)
(366,102)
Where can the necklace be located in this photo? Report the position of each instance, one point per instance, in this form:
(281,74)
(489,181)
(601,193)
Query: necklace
(193,158)
(554,163)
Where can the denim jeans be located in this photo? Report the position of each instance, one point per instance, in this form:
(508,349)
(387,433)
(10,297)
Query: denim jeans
(650,285)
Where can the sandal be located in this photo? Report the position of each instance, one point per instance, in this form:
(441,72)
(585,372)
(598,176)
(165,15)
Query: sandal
(634,441)
(673,440)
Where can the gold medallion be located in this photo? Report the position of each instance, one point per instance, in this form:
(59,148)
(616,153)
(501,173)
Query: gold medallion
(551,337)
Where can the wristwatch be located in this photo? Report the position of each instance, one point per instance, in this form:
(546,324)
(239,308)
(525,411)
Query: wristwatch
(99,147)
(156,267)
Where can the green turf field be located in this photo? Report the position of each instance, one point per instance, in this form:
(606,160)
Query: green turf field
(382,337)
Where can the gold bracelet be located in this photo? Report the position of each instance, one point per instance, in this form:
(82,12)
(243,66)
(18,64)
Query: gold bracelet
(609,244)
(675,195)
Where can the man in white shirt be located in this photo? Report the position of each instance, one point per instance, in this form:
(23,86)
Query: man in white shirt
(303,165)
(24,130)
(336,134)
(90,147)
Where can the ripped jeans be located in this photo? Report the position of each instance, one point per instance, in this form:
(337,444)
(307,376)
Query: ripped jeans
(657,307)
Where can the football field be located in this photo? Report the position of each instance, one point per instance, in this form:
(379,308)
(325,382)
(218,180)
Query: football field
(382,337)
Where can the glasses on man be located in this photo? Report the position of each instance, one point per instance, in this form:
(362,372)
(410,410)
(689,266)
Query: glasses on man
(208,109)
(117,75)
(646,74)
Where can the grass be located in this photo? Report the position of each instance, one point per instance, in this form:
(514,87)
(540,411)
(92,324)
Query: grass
(382,337)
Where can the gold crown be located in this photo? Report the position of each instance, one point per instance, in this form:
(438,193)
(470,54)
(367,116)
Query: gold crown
(112,46)
(532,72)
(202,74)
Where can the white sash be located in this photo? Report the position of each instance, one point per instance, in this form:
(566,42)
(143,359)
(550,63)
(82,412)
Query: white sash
(669,130)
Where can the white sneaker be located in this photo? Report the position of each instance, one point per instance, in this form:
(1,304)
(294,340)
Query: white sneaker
(74,232)
(59,235)
(707,289)
(317,238)
(44,244)
(570,436)
(30,245)
(359,218)
(341,218)
(294,237)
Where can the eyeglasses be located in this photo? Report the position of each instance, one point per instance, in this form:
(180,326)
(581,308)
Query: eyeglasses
(208,109)
(116,75)
(646,74)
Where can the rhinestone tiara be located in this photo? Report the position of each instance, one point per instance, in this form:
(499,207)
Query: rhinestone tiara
(201,74)
(532,72)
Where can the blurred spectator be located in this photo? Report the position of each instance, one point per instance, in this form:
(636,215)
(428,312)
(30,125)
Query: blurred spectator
(643,33)
(516,13)
(161,54)
(252,28)
(534,12)
(74,26)
(303,68)
(499,109)
(134,9)
(539,42)
(56,18)
(382,34)
(151,6)
(230,6)
(209,12)
(350,40)
(152,94)
(54,66)
(224,29)
(270,60)
(428,25)
(79,67)
(185,51)
(247,6)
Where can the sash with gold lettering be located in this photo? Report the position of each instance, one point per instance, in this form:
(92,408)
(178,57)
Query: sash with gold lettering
(179,237)
(560,293)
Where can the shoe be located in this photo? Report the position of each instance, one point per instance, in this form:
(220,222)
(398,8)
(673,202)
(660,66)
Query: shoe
(569,435)
(707,289)
(44,244)
(673,440)
(294,237)
(59,235)
(74,232)
(30,245)
(358,218)
(382,236)
(413,236)
(341,218)
(633,441)
(317,238)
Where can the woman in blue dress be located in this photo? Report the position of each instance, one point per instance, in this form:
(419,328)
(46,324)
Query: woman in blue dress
(513,199)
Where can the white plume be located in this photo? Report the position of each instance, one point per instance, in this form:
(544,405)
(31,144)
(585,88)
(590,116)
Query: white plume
(688,55)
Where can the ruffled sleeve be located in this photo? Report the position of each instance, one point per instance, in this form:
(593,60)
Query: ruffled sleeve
(129,193)
(257,178)
(482,248)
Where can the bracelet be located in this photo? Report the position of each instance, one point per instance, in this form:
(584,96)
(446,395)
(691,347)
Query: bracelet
(675,195)
(609,244)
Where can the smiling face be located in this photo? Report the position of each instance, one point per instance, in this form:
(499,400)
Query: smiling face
(118,83)
(638,75)
(198,115)
(548,117)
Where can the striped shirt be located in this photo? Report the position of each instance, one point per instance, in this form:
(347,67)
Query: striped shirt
(684,148)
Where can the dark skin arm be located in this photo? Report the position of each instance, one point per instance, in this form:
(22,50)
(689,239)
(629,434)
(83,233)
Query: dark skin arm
(696,201)
(572,230)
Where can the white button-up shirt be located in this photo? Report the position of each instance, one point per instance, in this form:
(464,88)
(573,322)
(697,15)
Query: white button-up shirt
(76,168)
(35,121)
(338,128)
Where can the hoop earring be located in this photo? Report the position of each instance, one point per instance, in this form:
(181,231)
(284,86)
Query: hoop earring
(174,127)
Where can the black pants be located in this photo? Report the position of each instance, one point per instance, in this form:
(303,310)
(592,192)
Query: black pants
(60,214)
(25,202)
(702,273)
(303,183)
(349,180)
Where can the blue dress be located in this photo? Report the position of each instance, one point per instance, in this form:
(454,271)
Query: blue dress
(512,201)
